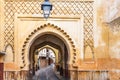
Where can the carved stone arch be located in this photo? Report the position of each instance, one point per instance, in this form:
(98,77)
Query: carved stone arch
(9,57)
(49,29)
(52,46)
(48,48)
(10,46)
(88,52)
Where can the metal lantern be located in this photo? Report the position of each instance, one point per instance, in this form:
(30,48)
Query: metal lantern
(46,7)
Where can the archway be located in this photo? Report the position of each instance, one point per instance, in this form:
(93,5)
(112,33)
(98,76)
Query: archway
(49,42)
(48,29)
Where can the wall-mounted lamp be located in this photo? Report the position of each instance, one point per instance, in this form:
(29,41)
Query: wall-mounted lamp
(46,7)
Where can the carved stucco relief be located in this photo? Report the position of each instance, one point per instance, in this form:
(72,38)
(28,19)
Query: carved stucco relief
(73,7)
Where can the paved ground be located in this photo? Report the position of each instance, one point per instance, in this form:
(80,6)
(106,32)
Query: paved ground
(46,74)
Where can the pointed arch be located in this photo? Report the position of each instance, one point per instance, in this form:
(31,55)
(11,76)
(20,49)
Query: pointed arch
(9,57)
(49,29)
(88,53)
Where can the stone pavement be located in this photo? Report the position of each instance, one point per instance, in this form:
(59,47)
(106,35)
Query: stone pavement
(47,73)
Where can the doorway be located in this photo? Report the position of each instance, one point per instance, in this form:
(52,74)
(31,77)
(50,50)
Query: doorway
(48,49)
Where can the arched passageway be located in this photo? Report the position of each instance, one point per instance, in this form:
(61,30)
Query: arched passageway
(52,45)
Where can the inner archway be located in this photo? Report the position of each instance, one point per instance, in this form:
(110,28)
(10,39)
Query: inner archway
(45,43)
(45,56)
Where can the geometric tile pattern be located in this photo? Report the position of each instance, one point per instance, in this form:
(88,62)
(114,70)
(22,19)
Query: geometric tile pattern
(66,7)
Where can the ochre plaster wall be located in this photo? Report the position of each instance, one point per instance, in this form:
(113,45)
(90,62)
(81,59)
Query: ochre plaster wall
(108,49)
(110,38)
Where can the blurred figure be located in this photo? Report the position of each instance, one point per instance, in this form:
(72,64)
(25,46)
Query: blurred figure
(46,73)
